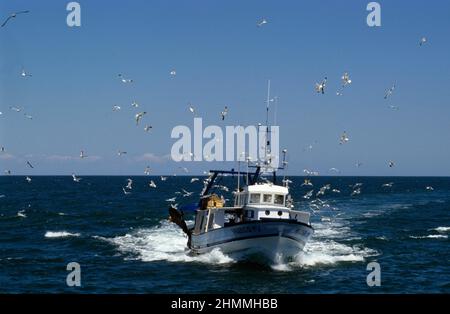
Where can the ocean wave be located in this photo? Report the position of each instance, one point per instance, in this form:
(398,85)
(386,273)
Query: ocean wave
(431,236)
(165,242)
(442,229)
(60,234)
(331,252)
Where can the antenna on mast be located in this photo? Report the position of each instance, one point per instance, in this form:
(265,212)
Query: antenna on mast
(267,148)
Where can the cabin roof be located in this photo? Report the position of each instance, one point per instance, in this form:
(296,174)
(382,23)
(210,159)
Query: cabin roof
(267,188)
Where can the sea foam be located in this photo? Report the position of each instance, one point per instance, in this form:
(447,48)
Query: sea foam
(60,234)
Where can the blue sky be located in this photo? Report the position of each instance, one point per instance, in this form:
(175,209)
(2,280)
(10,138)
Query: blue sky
(223,58)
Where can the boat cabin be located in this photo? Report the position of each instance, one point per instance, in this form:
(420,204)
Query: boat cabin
(254,202)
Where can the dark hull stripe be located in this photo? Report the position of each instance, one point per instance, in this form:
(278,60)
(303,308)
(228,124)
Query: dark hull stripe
(251,237)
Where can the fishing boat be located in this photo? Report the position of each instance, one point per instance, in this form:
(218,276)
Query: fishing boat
(261,221)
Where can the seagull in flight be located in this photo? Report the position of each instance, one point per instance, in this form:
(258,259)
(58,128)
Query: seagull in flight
(125,80)
(307,182)
(173,73)
(346,79)
(120,153)
(30,165)
(152,184)
(116,108)
(25,74)
(262,22)
(82,155)
(191,109)
(224,113)
(147,170)
(12,16)
(134,104)
(308,195)
(148,128)
(163,178)
(139,116)
(393,107)
(16,109)
(125,191)
(129,184)
(389,91)
(422,41)
(429,188)
(28,116)
(75,178)
(186,193)
(28,179)
(320,87)
(194,179)
(391,164)
(344,138)
(388,185)
(356,192)
(171,199)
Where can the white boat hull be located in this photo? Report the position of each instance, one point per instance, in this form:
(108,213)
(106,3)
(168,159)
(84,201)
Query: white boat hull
(273,240)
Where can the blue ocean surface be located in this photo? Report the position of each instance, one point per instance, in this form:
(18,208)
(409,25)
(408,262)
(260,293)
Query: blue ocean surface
(124,243)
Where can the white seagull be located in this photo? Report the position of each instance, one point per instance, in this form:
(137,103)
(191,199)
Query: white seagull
(25,74)
(346,79)
(139,116)
(12,16)
(344,138)
(75,178)
(262,22)
(320,87)
(125,191)
(186,193)
(124,80)
(148,128)
(152,184)
(116,108)
(389,91)
(224,113)
(16,109)
(130,184)
(82,155)
(134,104)
(422,41)
(28,179)
(147,170)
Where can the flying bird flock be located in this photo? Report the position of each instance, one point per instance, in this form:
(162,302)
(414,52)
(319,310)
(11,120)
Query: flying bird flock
(140,116)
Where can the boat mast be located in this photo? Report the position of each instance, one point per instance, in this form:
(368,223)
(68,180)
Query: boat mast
(268,151)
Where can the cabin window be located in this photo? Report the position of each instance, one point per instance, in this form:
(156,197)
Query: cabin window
(267,198)
(279,199)
(255,198)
